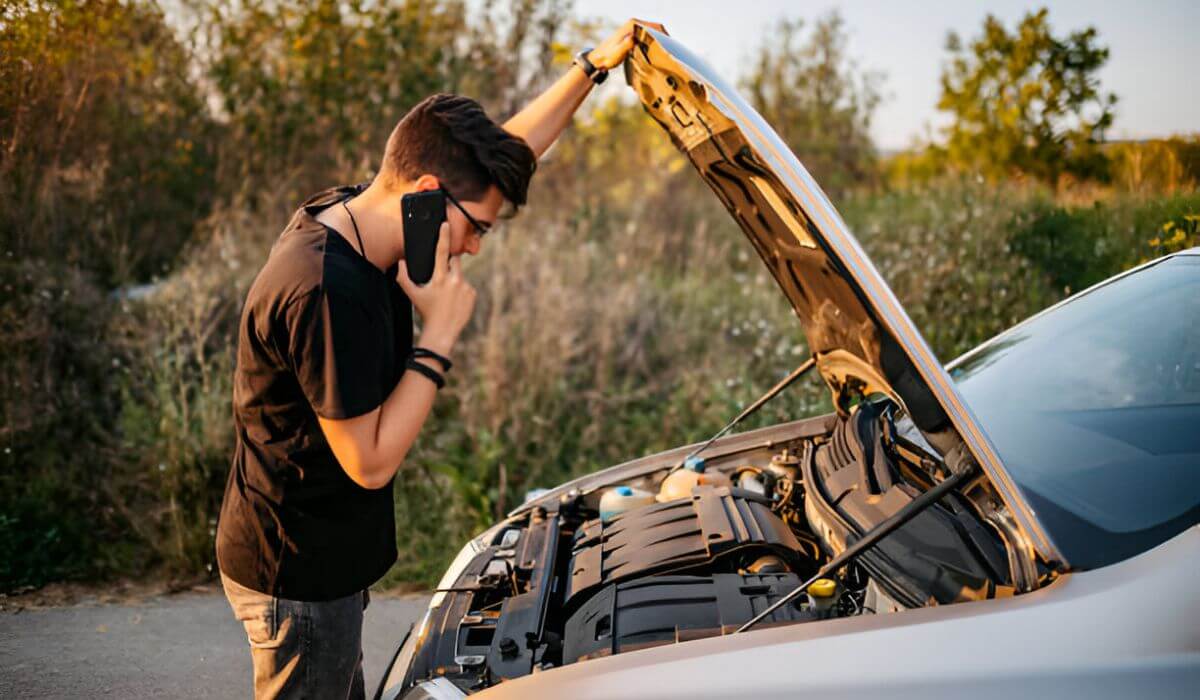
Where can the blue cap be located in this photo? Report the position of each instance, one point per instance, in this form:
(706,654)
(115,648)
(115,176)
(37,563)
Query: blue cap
(696,464)
(624,491)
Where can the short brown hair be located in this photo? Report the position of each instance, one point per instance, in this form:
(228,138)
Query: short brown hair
(452,138)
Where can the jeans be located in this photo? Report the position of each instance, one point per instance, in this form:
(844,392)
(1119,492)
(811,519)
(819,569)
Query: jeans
(302,649)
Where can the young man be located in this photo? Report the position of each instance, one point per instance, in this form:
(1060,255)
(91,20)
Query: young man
(330,391)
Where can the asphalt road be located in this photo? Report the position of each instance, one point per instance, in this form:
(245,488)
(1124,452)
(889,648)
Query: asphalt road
(179,646)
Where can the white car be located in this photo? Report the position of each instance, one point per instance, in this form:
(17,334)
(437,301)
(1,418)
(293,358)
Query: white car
(1021,523)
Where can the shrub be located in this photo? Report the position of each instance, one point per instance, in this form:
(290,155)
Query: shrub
(1079,246)
(105,165)
(56,408)
(944,249)
(175,418)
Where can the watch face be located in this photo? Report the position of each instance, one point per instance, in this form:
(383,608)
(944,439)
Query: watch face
(582,61)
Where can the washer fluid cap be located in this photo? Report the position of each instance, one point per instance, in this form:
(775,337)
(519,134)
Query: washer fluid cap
(822,588)
(624,491)
(696,464)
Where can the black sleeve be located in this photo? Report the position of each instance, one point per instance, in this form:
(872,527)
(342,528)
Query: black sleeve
(335,350)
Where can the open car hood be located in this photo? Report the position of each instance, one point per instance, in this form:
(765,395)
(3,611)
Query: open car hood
(861,338)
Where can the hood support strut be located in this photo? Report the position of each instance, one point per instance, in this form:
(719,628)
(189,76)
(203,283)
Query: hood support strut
(871,538)
(758,403)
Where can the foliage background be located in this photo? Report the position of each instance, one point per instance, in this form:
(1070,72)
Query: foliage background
(148,160)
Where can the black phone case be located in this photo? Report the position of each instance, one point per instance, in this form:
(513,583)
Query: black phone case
(423,214)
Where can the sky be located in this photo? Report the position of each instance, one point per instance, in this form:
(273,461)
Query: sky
(1153,65)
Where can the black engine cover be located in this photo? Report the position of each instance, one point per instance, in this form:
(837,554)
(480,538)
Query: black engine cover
(673,536)
(667,609)
(943,553)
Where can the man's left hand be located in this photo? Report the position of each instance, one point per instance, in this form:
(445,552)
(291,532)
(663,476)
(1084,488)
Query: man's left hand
(613,50)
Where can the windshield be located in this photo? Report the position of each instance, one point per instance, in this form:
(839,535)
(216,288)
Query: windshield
(1094,407)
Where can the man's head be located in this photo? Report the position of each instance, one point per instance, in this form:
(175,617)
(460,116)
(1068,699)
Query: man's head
(448,141)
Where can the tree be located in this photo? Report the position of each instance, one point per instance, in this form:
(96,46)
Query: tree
(1026,101)
(105,165)
(304,85)
(818,101)
(105,147)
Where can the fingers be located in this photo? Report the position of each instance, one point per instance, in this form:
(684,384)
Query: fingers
(454,266)
(402,277)
(610,55)
(617,47)
(441,254)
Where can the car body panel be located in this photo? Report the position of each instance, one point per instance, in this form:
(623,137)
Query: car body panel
(862,339)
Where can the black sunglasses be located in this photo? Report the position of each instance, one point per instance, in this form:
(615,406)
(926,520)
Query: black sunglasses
(481,227)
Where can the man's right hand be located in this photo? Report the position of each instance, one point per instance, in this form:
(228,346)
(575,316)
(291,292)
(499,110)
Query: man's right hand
(613,50)
(372,446)
(445,302)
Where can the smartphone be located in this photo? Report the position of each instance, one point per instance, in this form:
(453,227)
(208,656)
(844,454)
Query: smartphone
(423,214)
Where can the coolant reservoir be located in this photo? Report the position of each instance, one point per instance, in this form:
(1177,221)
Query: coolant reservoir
(621,499)
(679,483)
(821,596)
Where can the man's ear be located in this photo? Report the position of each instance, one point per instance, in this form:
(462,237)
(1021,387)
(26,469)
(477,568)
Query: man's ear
(426,183)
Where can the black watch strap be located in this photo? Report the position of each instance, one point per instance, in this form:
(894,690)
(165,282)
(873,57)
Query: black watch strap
(589,69)
(425,353)
(430,373)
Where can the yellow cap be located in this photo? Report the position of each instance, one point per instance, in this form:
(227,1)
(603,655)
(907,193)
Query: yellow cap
(822,588)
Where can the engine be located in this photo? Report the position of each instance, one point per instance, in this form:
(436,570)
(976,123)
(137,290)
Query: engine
(714,524)
(567,580)
(561,586)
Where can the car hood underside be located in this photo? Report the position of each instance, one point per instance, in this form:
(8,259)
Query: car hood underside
(861,338)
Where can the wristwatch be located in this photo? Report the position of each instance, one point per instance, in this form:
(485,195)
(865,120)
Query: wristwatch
(588,68)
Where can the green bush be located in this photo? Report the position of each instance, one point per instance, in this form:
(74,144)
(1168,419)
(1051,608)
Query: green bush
(1077,247)
(944,248)
(56,409)
(175,422)
(105,165)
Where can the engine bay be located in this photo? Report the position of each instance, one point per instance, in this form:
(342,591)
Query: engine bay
(573,577)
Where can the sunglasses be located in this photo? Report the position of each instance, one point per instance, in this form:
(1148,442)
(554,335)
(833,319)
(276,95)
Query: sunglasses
(481,227)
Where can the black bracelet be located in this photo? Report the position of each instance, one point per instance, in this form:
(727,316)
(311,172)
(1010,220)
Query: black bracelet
(596,75)
(426,353)
(430,373)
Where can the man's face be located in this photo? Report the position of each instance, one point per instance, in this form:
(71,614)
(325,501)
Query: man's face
(464,236)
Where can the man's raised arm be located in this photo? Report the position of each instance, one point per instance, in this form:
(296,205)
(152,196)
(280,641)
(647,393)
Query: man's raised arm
(542,120)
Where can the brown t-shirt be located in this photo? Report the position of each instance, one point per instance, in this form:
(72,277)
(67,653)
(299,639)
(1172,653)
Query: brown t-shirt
(323,333)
